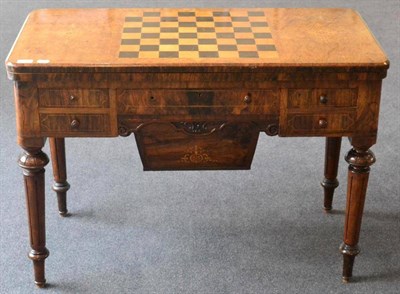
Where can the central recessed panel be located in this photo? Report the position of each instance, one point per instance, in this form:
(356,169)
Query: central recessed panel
(197,34)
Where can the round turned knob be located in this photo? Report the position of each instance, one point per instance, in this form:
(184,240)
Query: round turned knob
(247,99)
(323,123)
(75,124)
(323,99)
(73,98)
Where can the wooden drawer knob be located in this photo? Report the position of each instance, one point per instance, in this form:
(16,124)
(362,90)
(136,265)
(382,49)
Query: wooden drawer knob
(323,123)
(247,99)
(75,124)
(323,99)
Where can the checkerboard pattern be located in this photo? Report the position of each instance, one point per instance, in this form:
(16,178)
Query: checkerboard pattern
(197,34)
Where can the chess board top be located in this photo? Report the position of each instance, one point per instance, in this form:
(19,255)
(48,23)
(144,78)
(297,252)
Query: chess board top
(254,37)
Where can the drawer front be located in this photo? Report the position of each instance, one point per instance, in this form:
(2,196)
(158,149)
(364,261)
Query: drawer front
(75,124)
(96,98)
(202,102)
(321,98)
(317,124)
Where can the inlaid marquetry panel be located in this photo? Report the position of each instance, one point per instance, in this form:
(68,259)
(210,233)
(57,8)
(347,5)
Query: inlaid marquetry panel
(197,34)
(195,146)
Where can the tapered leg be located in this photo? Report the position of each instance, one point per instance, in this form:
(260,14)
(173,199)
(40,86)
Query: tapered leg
(33,161)
(359,161)
(60,186)
(330,182)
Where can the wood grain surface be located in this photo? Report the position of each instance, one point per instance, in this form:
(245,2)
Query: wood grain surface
(302,37)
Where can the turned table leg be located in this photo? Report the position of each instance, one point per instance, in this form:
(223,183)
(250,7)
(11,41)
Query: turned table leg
(33,161)
(359,161)
(330,182)
(60,186)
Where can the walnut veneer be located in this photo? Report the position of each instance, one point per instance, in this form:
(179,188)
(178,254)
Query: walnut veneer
(196,87)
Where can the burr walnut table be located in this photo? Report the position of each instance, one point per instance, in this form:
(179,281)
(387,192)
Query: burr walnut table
(196,87)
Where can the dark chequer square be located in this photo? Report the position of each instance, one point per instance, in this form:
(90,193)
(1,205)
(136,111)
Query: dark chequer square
(124,54)
(132,30)
(207,41)
(255,13)
(204,18)
(227,47)
(225,35)
(242,30)
(256,24)
(149,47)
(133,19)
(168,41)
(169,30)
(205,30)
(248,54)
(169,19)
(188,48)
(151,24)
(130,42)
(221,13)
(245,41)
(188,34)
(240,18)
(169,54)
(262,35)
(222,24)
(150,35)
(208,54)
(184,24)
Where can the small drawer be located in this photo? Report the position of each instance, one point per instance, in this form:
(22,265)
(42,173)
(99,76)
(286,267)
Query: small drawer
(196,102)
(96,98)
(73,124)
(317,124)
(321,98)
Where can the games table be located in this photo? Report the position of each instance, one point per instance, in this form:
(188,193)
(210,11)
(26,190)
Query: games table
(196,87)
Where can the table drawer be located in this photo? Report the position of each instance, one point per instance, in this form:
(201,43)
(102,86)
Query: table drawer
(321,98)
(74,124)
(317,124)
(197,102)
(96,98)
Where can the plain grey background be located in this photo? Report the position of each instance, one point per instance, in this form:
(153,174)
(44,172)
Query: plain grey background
(258,231)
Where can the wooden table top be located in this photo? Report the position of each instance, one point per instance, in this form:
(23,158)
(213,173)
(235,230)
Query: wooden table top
(127,38)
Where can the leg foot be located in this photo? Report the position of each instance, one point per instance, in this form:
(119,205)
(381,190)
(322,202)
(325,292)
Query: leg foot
(349,254)
(61,190)
(38,266)
(329,189)
(329,183)
(60,186)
